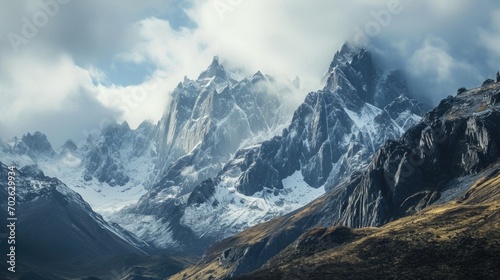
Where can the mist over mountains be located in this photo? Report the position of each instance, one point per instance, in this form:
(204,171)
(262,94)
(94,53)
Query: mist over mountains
(76,72)
(233,172)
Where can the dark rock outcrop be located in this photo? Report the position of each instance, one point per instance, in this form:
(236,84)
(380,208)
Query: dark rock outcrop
(200,194)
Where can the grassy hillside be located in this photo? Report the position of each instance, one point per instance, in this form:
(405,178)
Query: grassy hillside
(458,240)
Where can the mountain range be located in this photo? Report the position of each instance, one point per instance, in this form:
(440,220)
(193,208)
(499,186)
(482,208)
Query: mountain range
(237,173)
(331,135)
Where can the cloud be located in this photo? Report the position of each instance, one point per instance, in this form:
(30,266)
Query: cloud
(47,94)
(137,103)
(490,37)
(432,59)
(75,66)
(89,31)
(29,80)
(438,44)
(48,80)
(433,64)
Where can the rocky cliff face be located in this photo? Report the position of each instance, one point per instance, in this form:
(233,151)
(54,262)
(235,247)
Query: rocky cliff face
(110,156)
(434,162)
(336,130)
(208,120)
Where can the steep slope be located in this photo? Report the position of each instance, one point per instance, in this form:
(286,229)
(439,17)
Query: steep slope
(434,162)
(333,133)
(108,157)
(29,149)
(110,170)
(457,240)
(56,229)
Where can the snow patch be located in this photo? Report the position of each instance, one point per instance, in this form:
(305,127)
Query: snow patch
(228,211)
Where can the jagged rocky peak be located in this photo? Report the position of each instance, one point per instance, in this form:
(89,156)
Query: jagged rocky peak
(216,113)
(186,87)
(214,70)
(146,125)
(345,55)
(34,145)
(353,74)
(104,159)
(115,131)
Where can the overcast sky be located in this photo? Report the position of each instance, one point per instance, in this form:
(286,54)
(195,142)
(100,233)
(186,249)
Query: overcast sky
(68,65)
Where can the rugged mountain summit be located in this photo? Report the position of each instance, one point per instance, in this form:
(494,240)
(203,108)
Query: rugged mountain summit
(332,134)
(34,145)
(208,120)
(434,162)
(335,131)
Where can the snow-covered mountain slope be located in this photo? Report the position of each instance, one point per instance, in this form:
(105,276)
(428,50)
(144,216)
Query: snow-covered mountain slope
(264,205)
(59,236)
(332,135)
(54,223)
(110,170)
